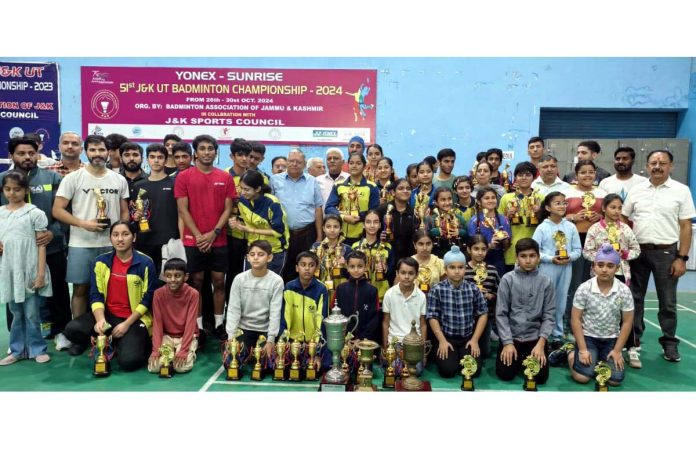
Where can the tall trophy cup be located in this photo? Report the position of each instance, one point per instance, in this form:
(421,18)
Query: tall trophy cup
(388,223)
(234,346)
(505,175)
(561,241)
(257,373)
(469,366)
(613,235)
(603,371)
(140,206)
(295,368)
(312,346)
(102,218)
(345,353)
(367,355)
(166,360)
(532,368)
(390,373)
(336,323)
(102,365)
(414,352)
(280,372)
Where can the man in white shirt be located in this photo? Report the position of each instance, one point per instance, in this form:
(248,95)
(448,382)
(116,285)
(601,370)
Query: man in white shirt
(334,163)
(624,179)
(548,180)
(315,166)
(661,211)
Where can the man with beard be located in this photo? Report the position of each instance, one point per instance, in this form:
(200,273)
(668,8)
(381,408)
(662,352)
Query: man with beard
(661,211)
(87,189)
(334,163)
(131,161)
(70,146)
(43,184)
(624,179)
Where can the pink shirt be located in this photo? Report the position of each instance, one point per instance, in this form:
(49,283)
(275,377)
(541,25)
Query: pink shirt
(174,315)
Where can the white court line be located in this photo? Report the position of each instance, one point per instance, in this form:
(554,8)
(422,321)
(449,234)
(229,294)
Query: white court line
(683,307)
(261,384)
(680,338)
(210,381)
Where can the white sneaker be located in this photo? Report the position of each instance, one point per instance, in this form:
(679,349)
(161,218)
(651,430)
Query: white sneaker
(634,358)
(62,342)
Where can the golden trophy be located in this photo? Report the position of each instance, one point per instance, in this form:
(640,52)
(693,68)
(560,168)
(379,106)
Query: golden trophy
(388,223)
(366,355)
(166,360)
(413,353)
(613,235)
(279,372)
(532,368)
(505,175)
(378,263)
(345,352)
(469,366)
(337,269)
(385,194)
(422,204)
(102,218)
(234,346)
(235,207)
(295,368)
(353,201)
(515,204)
(257,373)
(588,201)
(561,241)
(532,202)
(480,275)
(102,365)
(603,371)
(424,278)
(390,372)
(140,206)
(311,371)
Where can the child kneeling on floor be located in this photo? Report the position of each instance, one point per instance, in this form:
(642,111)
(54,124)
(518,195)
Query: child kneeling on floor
(174,313)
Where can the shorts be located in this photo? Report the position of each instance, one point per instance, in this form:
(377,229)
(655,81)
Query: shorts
(80,263)
(215,260)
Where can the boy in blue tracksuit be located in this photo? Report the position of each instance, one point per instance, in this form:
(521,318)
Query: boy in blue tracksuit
(357,295)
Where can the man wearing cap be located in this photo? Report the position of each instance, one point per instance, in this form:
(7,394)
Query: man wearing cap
(335,173)
(661,211)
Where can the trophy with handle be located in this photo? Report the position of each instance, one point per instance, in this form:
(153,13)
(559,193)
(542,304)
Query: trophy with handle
(390,372)
(296,370)
(257,372)
(102,363)
(280,371)
(234,347)
(336,325)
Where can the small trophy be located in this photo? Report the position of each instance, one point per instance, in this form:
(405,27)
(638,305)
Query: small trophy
(166,360)
(337,269)
(532,368)
(388,223)
(280,372)
(366,355)
(345,352)
(532,202)
(561,242)
(603,371)
(480,275)
(515,203)
(505,175)
(613,235)
(102,218)
(102,365)
(390,372)
(588,201)
(424,278)
(311,371)
(501,234)
(235,347)
(422,203)
(469,368)
(379,264)
(257,373)
(141,206)
(353,201)
(295,368)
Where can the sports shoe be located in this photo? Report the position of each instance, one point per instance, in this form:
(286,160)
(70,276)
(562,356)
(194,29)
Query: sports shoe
(76,349)
(9,360)
(202,338)
(42,358)
(555,344)
(634,358)
(671,354)
(62,342)
(220,333)
(559,357)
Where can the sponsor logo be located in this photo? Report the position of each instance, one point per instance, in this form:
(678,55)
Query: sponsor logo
(16,132)
(324,133)
(104,104)
(99,77)
(97,131)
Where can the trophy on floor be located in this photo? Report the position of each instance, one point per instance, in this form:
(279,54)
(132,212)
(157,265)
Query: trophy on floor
(102,364)
(469,366)
(390,373)
(532,368)
(424,278)
(312,346)
(166,360)
(561,241)
(414,353)
(603,371)
(345,353)
(234,347)
(366,353)
(336,325)
(142,206)
(280,371)
(588,201)
(102,218)
(257,373)
(389,223)
(613,236)
(295,367)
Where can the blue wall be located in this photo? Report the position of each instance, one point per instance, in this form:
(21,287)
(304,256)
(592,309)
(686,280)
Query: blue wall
(469,104)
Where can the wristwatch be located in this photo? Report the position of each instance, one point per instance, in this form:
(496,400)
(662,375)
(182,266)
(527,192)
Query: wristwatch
(217,231)
(684,258)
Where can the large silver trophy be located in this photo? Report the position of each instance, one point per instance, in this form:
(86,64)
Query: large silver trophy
(336,325)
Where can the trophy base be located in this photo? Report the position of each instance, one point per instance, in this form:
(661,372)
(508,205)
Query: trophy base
(389,382)
(166,372)
(364,388)
(295,375)
(102,369)
(104,221)
(468,385)
(601,388)
(379,276)
(257,375)
(515,221)
(144,227)
(280,374)
(336,273)
(332,387)
(424,288)
(311,374)
(530,385)
(399,386)
(233,374)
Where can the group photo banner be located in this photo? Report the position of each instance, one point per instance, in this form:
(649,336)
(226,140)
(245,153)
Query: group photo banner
(29,103)
(274,106)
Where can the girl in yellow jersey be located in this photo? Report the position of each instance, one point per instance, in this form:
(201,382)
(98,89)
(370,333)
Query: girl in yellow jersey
(380,260)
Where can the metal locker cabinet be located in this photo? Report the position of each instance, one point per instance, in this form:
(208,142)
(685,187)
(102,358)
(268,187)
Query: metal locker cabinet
(680,149)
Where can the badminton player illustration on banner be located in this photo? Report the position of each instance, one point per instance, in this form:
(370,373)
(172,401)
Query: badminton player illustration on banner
(360,105)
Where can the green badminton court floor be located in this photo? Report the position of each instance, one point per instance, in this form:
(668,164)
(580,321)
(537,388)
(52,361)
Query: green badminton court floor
(66,373)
